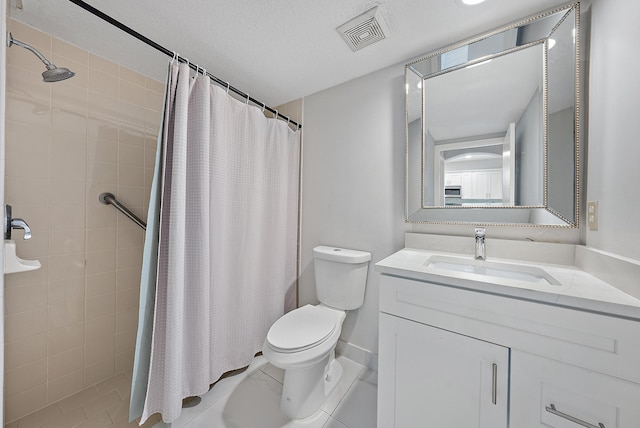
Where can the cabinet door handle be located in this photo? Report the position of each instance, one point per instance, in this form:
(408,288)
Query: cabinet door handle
(552,409)
(494,384)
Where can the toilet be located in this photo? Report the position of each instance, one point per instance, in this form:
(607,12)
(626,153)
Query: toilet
(303,341)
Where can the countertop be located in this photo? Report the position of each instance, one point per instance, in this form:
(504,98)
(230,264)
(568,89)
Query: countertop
(577,290)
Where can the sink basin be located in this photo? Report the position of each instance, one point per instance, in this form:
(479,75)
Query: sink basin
(491,269)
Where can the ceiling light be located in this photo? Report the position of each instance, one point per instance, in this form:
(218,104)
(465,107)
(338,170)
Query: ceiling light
(552,43)
(466,4)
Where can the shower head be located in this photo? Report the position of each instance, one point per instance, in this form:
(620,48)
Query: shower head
(57,74)
(52,73)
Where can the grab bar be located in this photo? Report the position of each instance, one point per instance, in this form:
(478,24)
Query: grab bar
(108,198)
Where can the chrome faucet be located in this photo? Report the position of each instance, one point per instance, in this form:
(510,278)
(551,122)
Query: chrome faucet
(14,223)
(481,253)
(18,223)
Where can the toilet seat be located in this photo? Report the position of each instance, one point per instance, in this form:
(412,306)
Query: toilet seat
(302,329)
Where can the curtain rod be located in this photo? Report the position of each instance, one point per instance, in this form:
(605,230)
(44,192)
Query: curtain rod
(167,52)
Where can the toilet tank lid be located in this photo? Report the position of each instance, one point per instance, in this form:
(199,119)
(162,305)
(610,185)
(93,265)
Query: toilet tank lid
(341,255)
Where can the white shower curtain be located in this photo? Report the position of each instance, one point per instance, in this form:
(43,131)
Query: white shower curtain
(227,238)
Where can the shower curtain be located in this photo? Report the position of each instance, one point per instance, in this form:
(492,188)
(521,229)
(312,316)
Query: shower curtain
(220,260)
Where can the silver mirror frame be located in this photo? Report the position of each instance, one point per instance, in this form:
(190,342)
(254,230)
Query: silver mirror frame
(494,215)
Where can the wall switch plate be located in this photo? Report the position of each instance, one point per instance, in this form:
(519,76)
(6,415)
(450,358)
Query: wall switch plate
(592,215)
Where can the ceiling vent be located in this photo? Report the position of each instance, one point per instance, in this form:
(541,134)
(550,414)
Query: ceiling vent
(364,30)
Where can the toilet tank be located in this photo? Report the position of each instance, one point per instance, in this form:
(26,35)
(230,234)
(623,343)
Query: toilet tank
(341,276)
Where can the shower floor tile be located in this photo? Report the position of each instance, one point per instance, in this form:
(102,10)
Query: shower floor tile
(105,405)
(250,399)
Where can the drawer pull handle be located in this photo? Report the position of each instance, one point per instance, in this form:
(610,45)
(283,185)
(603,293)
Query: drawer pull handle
(494,384)
(552,409)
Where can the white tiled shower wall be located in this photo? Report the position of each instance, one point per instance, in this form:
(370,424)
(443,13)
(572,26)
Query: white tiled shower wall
(72,323)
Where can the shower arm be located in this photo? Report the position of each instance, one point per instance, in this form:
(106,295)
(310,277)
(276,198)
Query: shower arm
(12,41)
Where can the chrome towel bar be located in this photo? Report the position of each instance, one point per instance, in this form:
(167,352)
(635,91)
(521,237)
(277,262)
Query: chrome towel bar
(108,198)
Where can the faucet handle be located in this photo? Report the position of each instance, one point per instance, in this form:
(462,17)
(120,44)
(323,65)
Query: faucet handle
(481,252)
(14,223)
(18,223)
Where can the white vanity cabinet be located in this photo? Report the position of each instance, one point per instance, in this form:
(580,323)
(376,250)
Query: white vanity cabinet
(440,378)
(555,366)
(547,393)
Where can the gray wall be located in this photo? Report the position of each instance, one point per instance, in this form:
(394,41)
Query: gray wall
(353,183)
(614,126)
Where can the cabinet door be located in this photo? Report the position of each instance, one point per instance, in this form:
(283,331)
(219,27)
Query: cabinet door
(480,185)
(429,377)
(546,393)
(452,179)
(495,184)
(467,185)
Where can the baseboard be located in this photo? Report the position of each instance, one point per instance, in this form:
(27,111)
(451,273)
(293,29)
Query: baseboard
(358,354)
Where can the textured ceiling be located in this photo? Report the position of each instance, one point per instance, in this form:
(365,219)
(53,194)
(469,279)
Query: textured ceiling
(276,51)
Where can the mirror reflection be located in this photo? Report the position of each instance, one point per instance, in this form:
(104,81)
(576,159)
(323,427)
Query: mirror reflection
(491,127)
(472,147)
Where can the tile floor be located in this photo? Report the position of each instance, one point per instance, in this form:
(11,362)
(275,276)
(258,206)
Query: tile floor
(105,405)
(250,399)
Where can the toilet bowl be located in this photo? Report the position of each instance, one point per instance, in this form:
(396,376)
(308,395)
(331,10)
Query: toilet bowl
(303,341)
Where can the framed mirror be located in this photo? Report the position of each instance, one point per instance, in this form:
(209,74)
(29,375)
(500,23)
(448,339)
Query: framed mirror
(493,129)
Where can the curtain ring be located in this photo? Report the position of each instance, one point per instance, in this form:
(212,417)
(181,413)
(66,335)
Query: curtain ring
(288,121)
(227,88)
(276,116)
(247,101)
(263,107)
